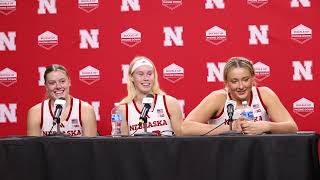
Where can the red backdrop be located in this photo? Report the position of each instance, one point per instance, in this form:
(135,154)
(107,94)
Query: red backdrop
(188,40)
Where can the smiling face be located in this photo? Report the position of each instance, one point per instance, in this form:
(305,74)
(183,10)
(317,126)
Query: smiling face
(143,79)
(239,83)
(57,84)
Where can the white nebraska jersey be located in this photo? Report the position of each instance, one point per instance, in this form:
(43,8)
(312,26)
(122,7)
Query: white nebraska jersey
(259,110)
(71,126)
(158,117)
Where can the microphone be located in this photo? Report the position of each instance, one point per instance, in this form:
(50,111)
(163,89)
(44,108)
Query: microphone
(147,102)
(230,106)
(230,110)
(60,105)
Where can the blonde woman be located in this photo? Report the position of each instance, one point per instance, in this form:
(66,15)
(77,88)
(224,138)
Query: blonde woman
(165,114)
(270,114)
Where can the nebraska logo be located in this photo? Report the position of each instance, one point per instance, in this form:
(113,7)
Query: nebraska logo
(130,37)
(262,71)
(7,6)
(89,75)
(171,4)
(173,73)
(216,35)
(303,107)
(301,34)
(8,77)
(88,5)
(257,3)
(8,114)
(47,40)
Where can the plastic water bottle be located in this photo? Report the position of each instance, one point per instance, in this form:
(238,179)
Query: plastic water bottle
(116,118)
(247,111)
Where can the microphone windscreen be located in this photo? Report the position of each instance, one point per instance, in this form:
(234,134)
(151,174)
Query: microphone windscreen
(61,101)
(148,99)
(229,107)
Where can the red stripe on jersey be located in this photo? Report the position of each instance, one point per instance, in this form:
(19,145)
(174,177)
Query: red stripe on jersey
(50,110)
(165,105)
(41,121)
(80,120)
(71,105)
(127,112)
(264,106)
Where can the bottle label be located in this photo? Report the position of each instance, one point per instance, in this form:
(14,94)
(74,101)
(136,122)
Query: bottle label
(116,117)
(248,115)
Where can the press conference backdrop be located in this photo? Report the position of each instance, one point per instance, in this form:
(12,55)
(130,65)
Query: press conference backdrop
(189,41)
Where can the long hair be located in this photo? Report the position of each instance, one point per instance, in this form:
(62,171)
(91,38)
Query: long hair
(132,92)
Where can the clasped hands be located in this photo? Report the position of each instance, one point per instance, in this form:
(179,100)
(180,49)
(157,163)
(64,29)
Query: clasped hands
(250,127)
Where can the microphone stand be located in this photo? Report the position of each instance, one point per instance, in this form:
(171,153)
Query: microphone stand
(58,127)
(145,126)
(58,133)
(231,132)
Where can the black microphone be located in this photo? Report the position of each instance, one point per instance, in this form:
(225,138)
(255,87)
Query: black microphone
(59,104)
(143,120)
(229,107)
(230,110)
(147,102)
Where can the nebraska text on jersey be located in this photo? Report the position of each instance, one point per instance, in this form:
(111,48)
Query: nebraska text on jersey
(150,125)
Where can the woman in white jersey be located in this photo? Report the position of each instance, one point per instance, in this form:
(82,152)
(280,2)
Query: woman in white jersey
(165,114)
(77,118)
(269,113)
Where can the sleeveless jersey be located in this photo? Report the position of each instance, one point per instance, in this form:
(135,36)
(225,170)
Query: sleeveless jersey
(71,126)
(259,109)
(158,117)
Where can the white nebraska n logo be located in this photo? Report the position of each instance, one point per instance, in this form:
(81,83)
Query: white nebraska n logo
(125,70)
(134,4)
(96,107)
(260,34)
(218,3)
(7,41)
(214,71)
(41,71)
(173,35)
(304,70)
(46,5)
(87,38)
(304,3)
(10,113)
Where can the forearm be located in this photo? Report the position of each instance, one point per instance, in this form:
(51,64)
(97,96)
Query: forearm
(33,132)
(92,132)
(196,128)
(33,129)
(282,127)
(89,128)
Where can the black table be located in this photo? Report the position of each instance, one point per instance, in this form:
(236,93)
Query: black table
(265,157)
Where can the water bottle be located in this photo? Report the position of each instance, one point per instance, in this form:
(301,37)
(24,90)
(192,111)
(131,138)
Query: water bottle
(247,111)
(116,118)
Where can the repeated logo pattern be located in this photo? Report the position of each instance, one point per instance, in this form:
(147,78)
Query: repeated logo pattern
(189,42)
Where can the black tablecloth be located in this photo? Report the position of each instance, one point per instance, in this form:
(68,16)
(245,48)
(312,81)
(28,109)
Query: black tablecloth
(265,157)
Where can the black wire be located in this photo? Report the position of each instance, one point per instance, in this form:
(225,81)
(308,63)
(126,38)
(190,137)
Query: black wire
(134,132)
(213,128)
